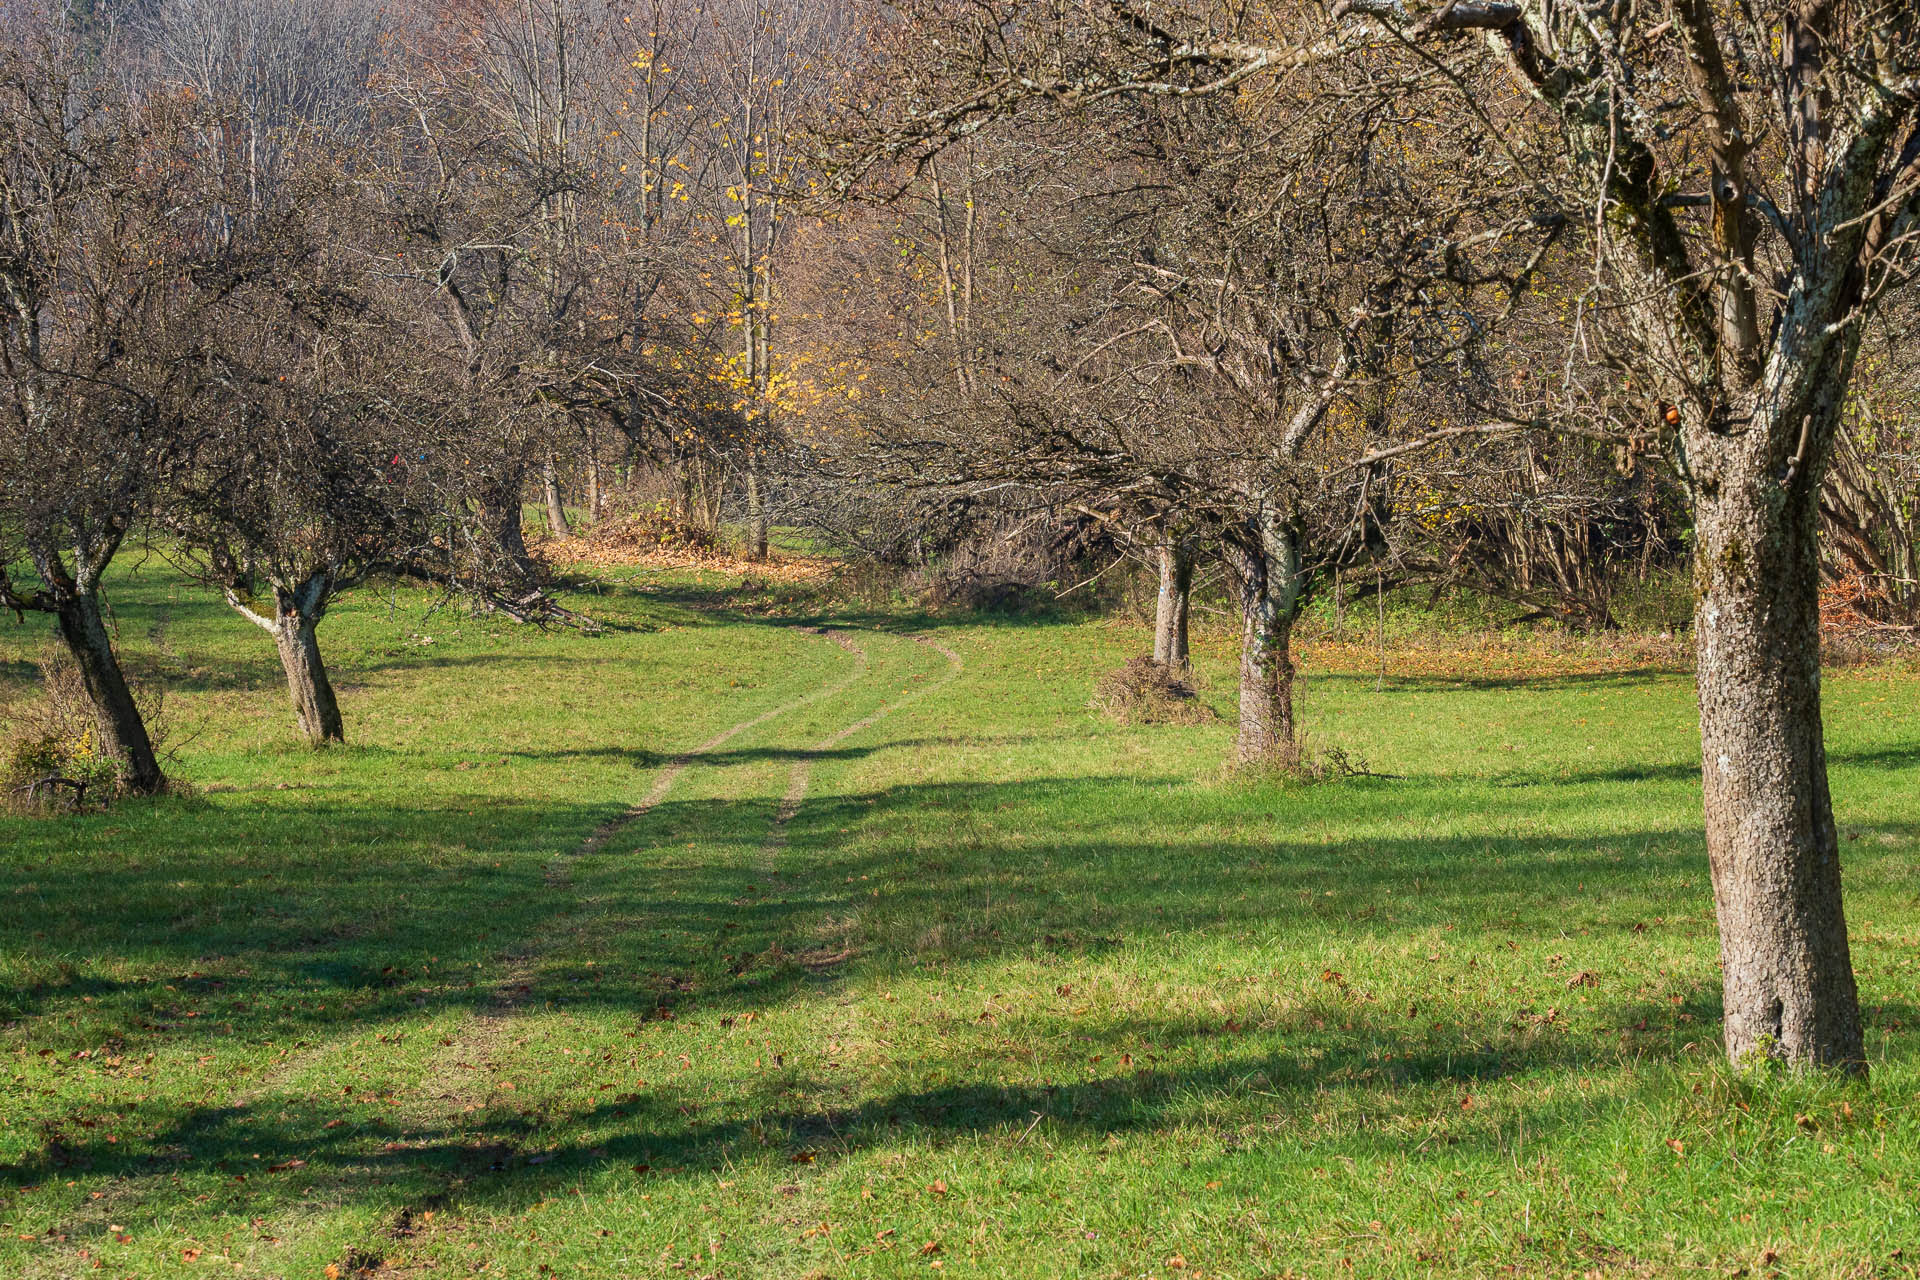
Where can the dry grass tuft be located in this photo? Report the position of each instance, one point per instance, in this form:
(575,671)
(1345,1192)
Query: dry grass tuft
(1147,692)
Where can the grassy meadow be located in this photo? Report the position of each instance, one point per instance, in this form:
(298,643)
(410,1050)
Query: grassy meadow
(764,937)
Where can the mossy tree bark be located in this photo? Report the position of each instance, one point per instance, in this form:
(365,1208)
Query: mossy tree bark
(1789,988)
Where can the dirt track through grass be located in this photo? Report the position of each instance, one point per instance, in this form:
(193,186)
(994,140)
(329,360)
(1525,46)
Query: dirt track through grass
(468,1054)
(801,774)
(452,1084)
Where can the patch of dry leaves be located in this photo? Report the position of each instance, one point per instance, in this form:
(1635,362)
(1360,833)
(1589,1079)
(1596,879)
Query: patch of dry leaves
(643,543)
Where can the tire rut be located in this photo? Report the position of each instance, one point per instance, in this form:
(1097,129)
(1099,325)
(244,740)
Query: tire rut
(454,1083)
(799,778)
(483,1033)
(671,771)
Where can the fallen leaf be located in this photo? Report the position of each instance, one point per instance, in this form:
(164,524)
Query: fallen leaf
(284,1165)
(1176,1263)
(938,1188)
(189,1255)
(931,1246)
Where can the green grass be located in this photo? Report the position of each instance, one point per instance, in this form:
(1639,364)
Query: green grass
(1018,993)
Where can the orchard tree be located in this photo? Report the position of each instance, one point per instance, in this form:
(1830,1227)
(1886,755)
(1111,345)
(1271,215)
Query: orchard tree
(1754,173)
(1191,343)
(104,276)
(1748,182)
(305,480)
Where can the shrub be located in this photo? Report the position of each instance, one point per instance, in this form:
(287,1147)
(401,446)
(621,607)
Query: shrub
(50,753)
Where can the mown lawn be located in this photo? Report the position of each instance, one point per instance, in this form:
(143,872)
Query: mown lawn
(931,973)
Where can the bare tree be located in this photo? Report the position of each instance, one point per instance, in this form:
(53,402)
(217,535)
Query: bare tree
(1752,177)
(304,481)
(1870,501)
(767,64)
(1739,248)
(1173,604)
(281,71)
(1191,316)
(102,275)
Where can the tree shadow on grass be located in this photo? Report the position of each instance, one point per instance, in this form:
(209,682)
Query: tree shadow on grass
(283,876)
(327,922)
(1276,1078)
(309,895)
(1362,684)
(1885,758)
(643,758)
(1288,1065)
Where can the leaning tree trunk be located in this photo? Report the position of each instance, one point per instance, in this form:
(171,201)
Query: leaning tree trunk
(557,524)
(314,706)
(1170,614)
(1771,845)
(1268,559)
(123,732)
(298,609)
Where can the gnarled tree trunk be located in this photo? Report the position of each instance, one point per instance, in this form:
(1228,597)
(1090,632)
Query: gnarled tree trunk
(1771,844)
(298,609)
(314,706)
(499,504)
(1175,600)
(122,730)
